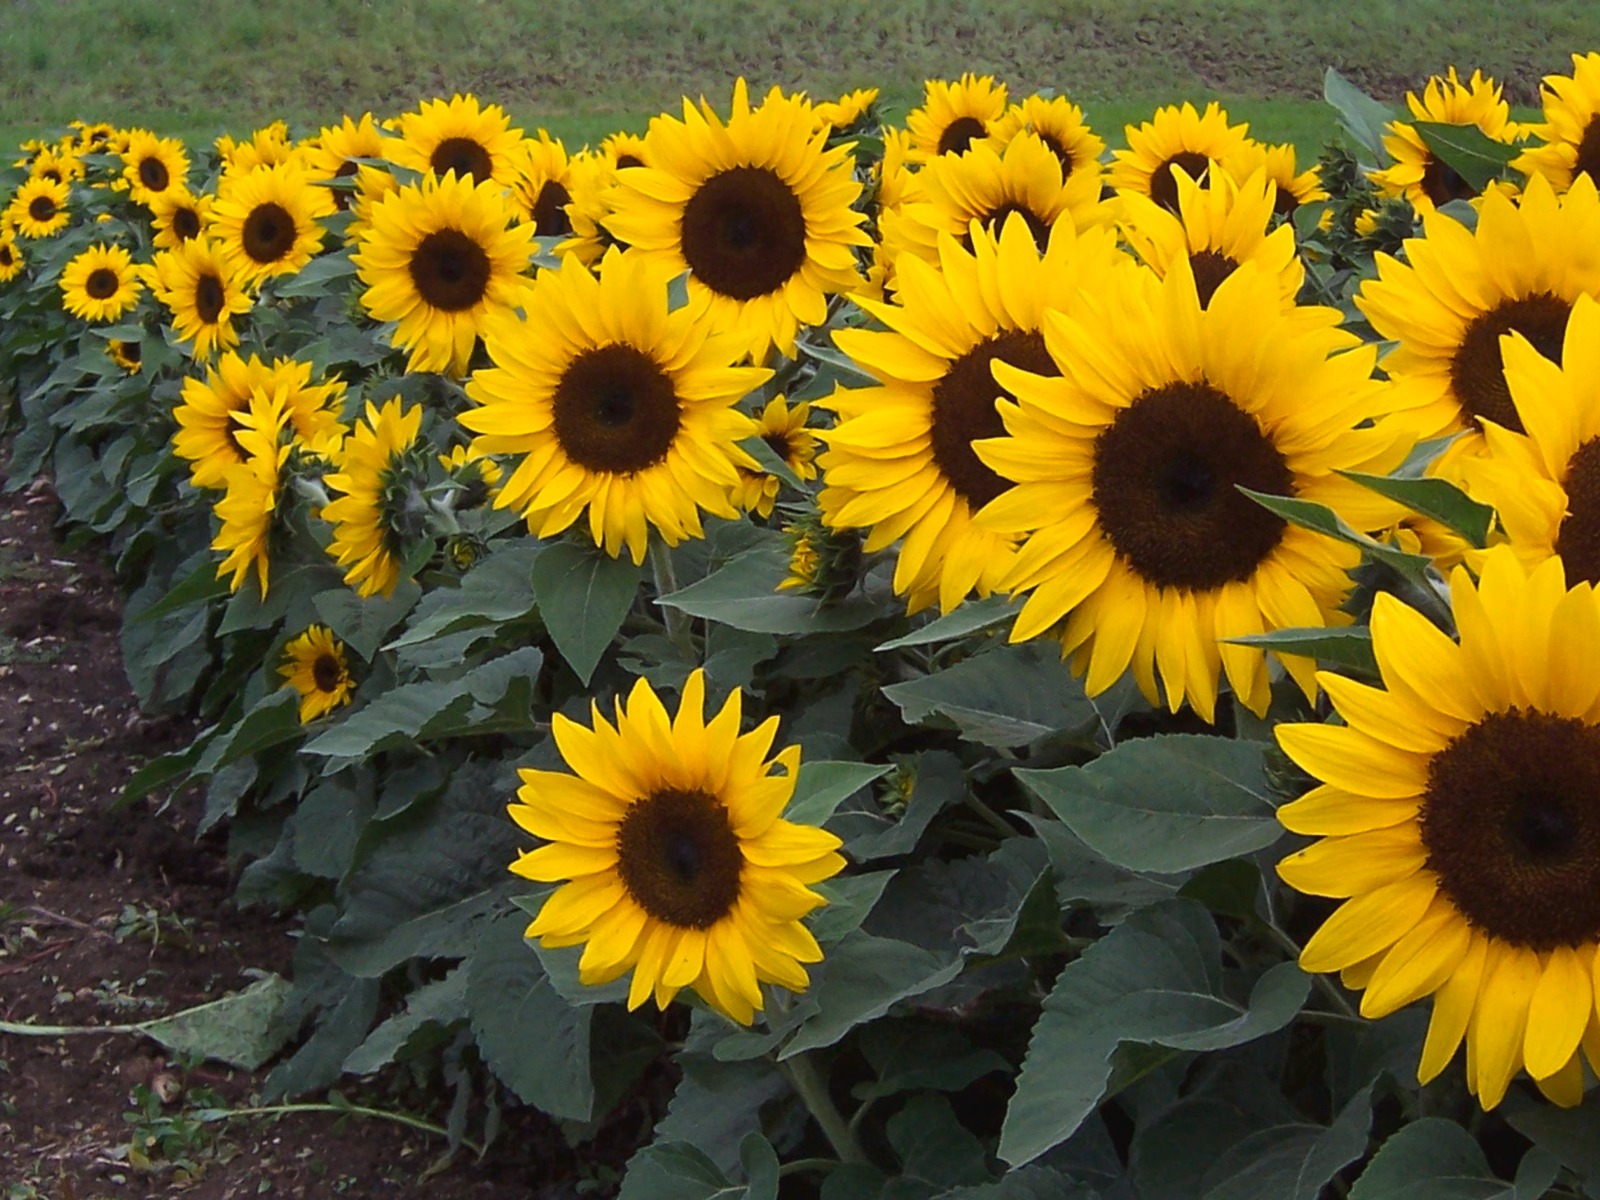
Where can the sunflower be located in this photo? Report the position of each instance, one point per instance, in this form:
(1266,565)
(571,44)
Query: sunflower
(1416,174)
(1175,137)
(1458,823)
(199,287)
(756,210)
(459,135)
(178,217)
(249,503)
(59,164)
(988,186)
(374,522)
(784,431)
(213,408)
(1059,124)
(1128,470)
(845,113)
(152,165)
(478,475)
(954,115)
(93,137)
(900,461)
(1216,228)
(543,186)
(625,150)
(592,178)
(127,355)
(101,284)
(335,151)
(11,261)
(1571,127)
(1545,484)
(314,665)
(439,259)
(1459,290)
(1278,163)
(265,220)
(893,186)
(39,209)
(615,405)
(681,867)
(268,146)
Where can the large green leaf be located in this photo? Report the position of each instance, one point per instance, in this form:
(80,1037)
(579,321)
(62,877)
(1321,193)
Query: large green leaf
(1009,696)
(1165,804)
(1571,1135)
(442,1002)
(676,1171)
(1288,1162)
(1359,113)
(271,721)
(1319,518)
(970,617)
(716,1104)
(583,596)
(1349,646)
(243,1030)
(1436,498)
(1438,1159)
(744,594)
(1156,979)
(1468,151)
(498,589)
(861,979)
(934,1148)
(823,786)
(363,623)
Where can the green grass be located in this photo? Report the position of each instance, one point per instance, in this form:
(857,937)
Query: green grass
(582,68)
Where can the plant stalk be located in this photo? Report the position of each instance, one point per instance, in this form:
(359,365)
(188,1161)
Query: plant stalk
(801,1071)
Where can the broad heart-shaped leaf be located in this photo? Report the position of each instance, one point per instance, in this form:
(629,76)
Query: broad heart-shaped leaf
(1364,117)
(498,589)
(1570,1135)
(1468,151)
(271,721)
(583,596)
(717,1104)
(533,1040)
(744,593)
(364,623)
(1165,804)
(1288,1162)
(676,1171)
(1438,1159)
(933,1146)
(1350,646)
(969,617)
(1030,1183)
(823,786)
(242,1030)
(1319,518)
(1009,696)
(1436,498)
(1156,979)
(438,1003)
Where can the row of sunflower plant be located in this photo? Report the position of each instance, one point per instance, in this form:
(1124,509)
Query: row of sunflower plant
(995,669)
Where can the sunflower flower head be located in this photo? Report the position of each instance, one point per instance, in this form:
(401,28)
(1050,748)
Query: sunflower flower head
(248,506)
(1417,173)
(784,431)
(954,115)
(381,514)
(199,286)
(101,284)
(1570,131)
(267,220)
(39,208)
(1175,136)
(675,860)
(460,135)
(153,166)
(314,665)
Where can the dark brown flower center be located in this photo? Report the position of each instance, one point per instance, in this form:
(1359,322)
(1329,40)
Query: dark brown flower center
(101,284)
(780,444)
(1166,478)
(185,223)
(269,232)
(1442,184)
(208,298)
(679,858)
(41,208)
(327,673)
(629,160)
(1578,540)
(450,270)
(153,174)
(744,233)
(1210,269)
(1164,188)
(615,410)
(1588,162)
(995,221)
(1284,201)
(964,410)
(550,211)
(1477,374)
(1511,824)
(465,156)
(1063,155)
(7,255)
(960,134)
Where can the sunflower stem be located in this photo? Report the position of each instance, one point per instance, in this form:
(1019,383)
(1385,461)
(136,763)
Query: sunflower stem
(1325,985)
(666,580)
(812,1089)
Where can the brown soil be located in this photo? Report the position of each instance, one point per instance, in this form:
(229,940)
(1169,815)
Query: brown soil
(112,916)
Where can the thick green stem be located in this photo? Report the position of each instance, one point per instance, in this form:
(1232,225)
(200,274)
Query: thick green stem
(813,1092)
(666,579)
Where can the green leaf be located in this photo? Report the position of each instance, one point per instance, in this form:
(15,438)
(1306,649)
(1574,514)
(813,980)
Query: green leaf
(271,721)
(1289,1162)
(1030,1183)
(1319,518)
(533,1040)
(1350,646)
(1006,697)
(497,590)
(1153,980)
(933,1146)
(1432,1157)
(1468,151)
(583,596)
(760,1162)
(913,1055)
(1436,498)
(243,1030)
(850,900)
(824,785)
(862,978)
(313,279)
(1165,804)
(744,593)
(1359,113)
(967,618)
(396,718)
(441,1002)
(870,831)
(363,623)
(198,586)
(675,1171)
(717,1104)
(1570,1135)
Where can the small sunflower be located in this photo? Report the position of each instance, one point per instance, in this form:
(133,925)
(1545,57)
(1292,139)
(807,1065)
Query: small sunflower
(248,505)
(954,115)
(1416,174)
(374,521)
(39,209)
(1459,290)
(178,217)
(153,166)
(439,258)
(756,209)
(900,461)
(93,137)
(1278,163)
(1571,127)
(592,178)
(681,866)
(336,149)
(1059,124)
(625,150)
(1457,822)
(101,284)
(615,406)
(212,409)
(478,475)
(784,431)
(475,141)
(849,110)
(12,263)
(1175,136)
(58,164)
(314,665)
(543,186)
(268,146)
(127,355)
(266,220)
(1216,228)
(1127,472)
(198,286)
